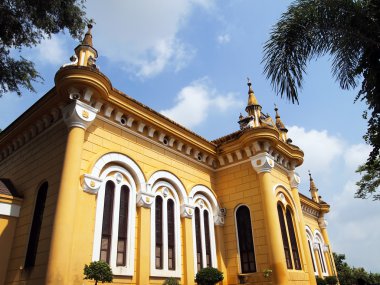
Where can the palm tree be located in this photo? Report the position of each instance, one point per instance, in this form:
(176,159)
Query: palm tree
(348,31)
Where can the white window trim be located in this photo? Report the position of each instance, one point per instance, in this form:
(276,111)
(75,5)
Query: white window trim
(128,269)
(310,239)
(237,238)
(165,272)
(319,241)
(206,207)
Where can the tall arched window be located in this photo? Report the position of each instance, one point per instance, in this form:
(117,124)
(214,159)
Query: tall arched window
(245,240)
(165,226)
(288,233)
(318,243)
(115,220)
(310,245)
(204,236)
(34,236)
(293,240)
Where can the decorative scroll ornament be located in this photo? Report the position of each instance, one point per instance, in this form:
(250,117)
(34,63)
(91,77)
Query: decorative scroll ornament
(262,162)
(187,211)
(91,184)
(144,199)
(79,114)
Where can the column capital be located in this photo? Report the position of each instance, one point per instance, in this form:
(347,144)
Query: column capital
(262,162)
(219,217)
(78,114)
(294,179)
(322,223)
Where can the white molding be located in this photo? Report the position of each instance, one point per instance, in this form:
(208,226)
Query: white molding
(11,210)
(210,197)
(310,238)
(165,272)
(319,243)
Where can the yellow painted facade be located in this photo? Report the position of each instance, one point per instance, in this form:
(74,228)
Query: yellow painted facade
(84,135)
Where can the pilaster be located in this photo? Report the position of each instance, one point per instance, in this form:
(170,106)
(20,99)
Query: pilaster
(78,117)
(294,181)
(263,164)
(188,252)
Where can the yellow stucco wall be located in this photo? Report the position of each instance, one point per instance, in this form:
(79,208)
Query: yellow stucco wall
(37,161)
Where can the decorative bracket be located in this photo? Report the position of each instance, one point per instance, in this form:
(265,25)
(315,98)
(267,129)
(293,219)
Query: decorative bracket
(294,179)
(79,114)
(187,211)
(91,184)
(144,199)
(262,162)
(219,217)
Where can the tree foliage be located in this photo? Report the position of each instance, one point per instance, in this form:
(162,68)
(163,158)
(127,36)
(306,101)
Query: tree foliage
(349,32)
(348,275)
(24,23)
(98,271)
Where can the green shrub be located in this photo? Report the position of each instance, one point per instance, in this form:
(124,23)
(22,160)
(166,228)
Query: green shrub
(98,271)
(171,281)
(208,276)
(320,281)
(331,280)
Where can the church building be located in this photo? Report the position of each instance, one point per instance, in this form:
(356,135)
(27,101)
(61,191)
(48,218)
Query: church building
(88,173)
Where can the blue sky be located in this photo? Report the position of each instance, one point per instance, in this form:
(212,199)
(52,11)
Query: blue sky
(190,60)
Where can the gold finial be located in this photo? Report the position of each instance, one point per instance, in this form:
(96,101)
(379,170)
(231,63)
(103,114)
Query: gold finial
(249,83)
(276,110)
(88,36)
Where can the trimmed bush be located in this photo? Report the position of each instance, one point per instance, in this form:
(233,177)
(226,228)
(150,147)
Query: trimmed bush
(99,271)
(208,276)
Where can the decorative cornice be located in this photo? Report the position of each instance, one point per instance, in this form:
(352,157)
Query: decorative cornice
(262,162)
(309,210)
(79,114)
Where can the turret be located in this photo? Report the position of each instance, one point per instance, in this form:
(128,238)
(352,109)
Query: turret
(86,54)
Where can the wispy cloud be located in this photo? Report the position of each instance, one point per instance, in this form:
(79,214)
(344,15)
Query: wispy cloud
(144,41)
(223,39)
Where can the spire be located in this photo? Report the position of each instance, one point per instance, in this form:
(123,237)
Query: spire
(251,95)
(280,125)
(88,36)
(85,52)
(313,189)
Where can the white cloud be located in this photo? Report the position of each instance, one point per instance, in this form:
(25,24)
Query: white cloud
(356,155)
(196,101)
(223,39)
(143,35)
(321,149)
(50,51)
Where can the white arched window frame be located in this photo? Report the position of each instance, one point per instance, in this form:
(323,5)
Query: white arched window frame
(167,192)
(237,238)
(319,246)
(202,203)
(120,177)
(309,236)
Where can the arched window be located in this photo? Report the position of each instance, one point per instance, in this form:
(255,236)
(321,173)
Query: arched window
(293,240)
(288,233)
(310,245)
(115,221)
(165,226)
(34,236)
(318,243)
(204,236)
(245,240)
